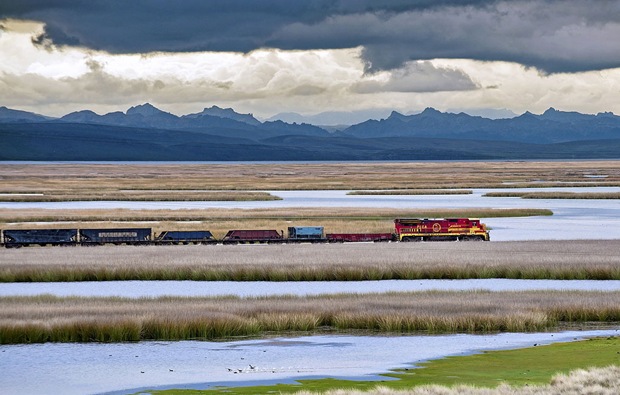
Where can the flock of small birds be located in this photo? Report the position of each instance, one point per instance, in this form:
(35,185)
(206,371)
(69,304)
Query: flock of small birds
(252,368)
(247,369)
(244,370)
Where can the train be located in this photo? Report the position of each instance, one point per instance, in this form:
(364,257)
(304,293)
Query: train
(405,230)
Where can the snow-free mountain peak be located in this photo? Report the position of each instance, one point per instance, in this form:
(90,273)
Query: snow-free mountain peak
(229,113)
(10,115)
(431,112)
(146,110)
(84,116)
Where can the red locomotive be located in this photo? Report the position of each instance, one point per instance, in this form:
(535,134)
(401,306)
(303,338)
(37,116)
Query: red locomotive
(415,229)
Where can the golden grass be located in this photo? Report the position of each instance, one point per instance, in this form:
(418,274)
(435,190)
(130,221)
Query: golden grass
(115,195)
(599,381)
(76,179)
(48,318)
(582,259)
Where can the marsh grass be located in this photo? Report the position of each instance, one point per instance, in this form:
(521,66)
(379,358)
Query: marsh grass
(561,260)
(74,319)
(556,195)
(90,179)
(115,195)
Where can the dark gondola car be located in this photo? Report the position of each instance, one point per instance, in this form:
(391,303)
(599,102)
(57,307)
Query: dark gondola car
(186,237)
(252,236)
(26,237)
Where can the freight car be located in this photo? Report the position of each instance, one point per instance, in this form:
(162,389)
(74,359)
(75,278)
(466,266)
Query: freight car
(185,237)
(314,234)
(42,237)
(246,236)
(414,229)
(358,237)
(115,236)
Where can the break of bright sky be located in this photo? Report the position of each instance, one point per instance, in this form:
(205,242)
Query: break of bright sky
(269,57)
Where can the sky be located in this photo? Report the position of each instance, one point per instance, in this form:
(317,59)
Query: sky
(275,56)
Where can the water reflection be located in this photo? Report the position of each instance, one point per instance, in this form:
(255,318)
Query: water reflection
(135,289)
(572,219)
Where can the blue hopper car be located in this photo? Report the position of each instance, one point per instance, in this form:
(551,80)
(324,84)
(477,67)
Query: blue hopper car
(186,237)
(26,237)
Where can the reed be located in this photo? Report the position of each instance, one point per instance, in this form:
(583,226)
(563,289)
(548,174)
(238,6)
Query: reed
(73,319)
(562,260)
(90,179)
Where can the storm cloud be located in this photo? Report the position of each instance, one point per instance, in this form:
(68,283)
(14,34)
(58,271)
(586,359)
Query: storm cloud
(552,36)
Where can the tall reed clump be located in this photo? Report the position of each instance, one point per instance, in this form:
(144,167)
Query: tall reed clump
(80,331)
(74,319)
(401,323)
(218,327)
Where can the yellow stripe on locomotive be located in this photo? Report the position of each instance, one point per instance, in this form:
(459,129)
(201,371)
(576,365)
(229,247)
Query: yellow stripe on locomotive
(416,229)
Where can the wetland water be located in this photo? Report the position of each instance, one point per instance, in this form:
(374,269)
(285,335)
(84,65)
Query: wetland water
(97,368)
(137,289)
(572,219)
(130,367)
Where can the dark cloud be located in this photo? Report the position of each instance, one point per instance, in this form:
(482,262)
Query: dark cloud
(554,36)
(419,77)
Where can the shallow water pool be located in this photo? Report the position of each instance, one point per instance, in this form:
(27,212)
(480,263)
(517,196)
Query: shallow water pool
(136,289)
(128,367)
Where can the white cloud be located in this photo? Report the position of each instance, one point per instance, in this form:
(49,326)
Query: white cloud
(265,82)
(20,56)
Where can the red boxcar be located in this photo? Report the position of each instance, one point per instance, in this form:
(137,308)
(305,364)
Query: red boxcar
(415,229)
(358,237)
(252,236)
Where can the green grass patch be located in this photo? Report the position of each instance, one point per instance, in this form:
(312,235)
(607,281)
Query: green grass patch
(520,367)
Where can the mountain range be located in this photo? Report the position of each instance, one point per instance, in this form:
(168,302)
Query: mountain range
(145,132)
